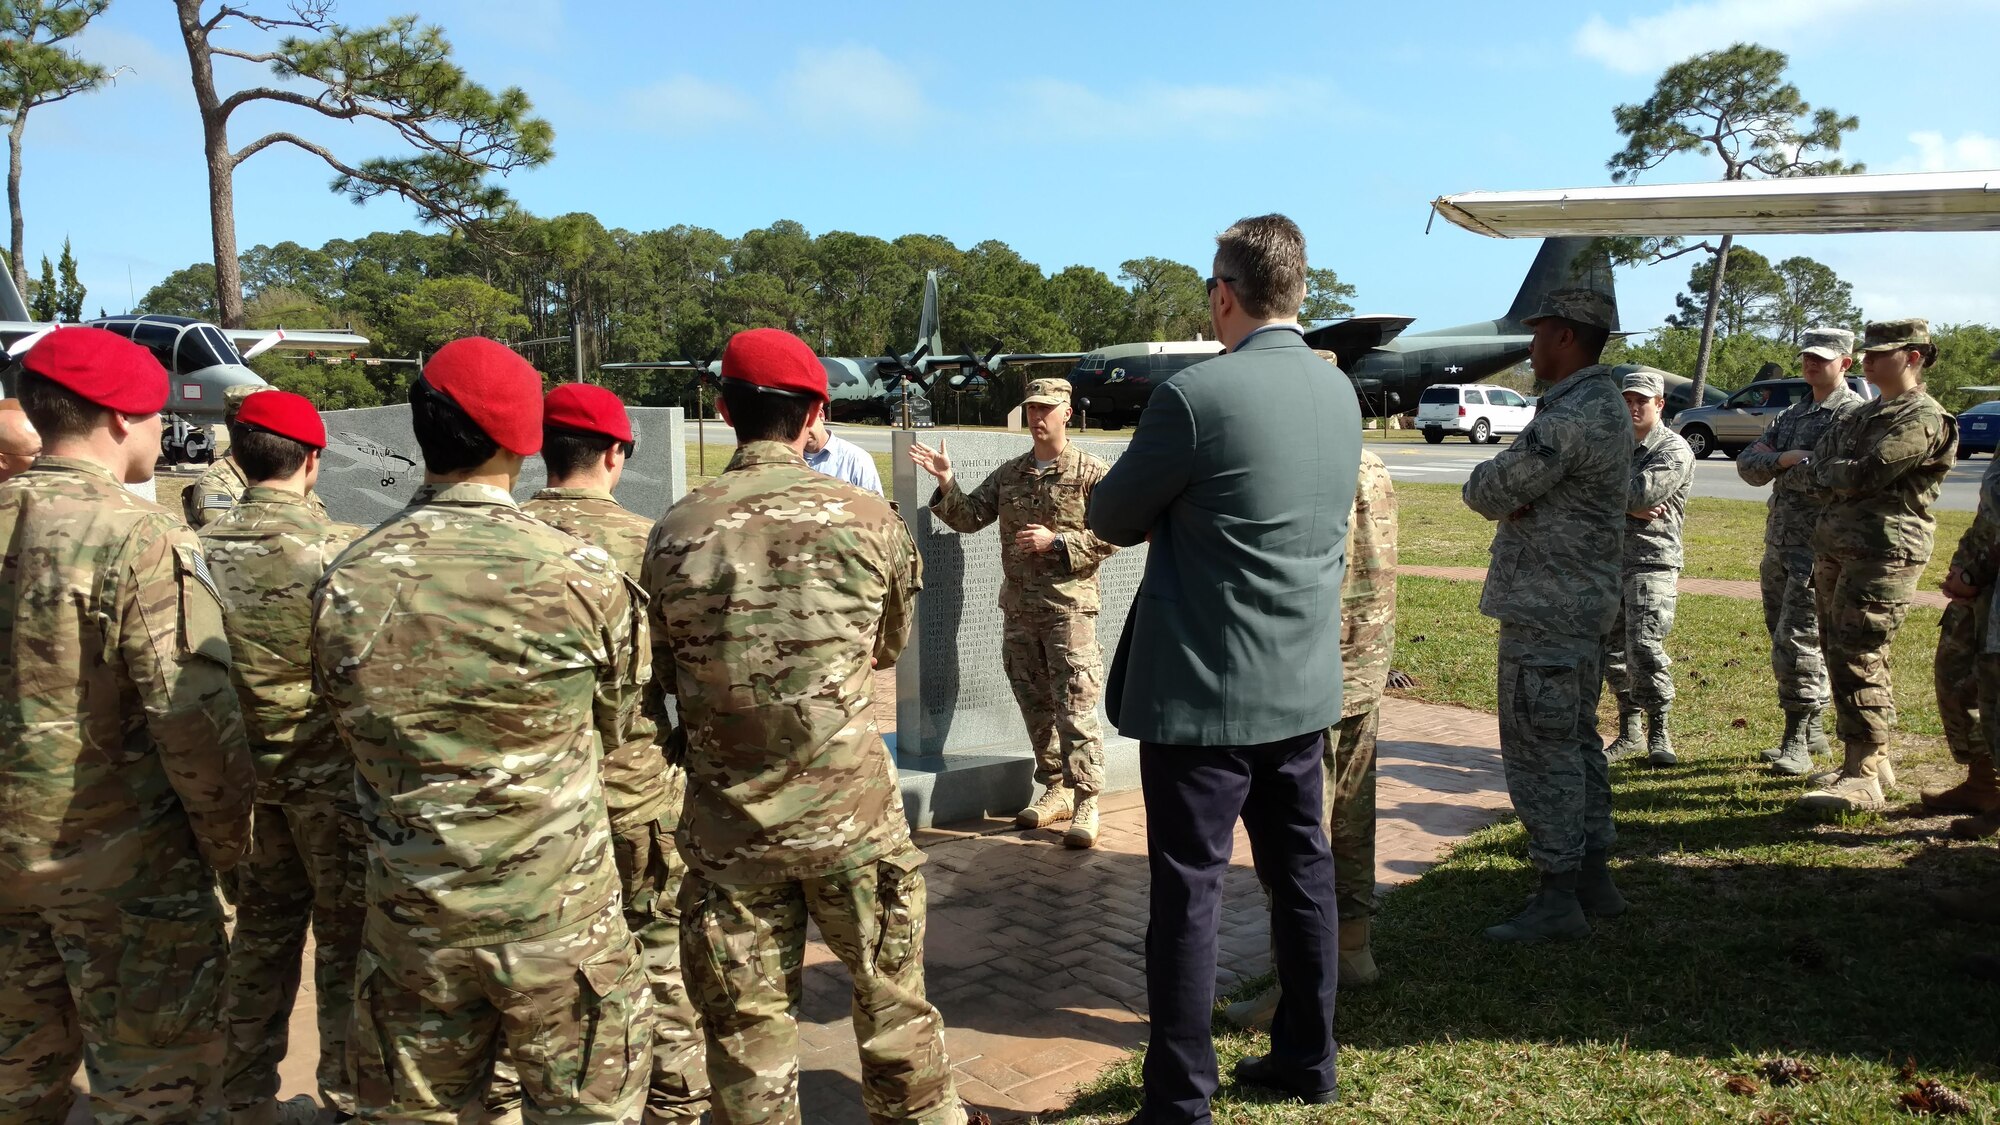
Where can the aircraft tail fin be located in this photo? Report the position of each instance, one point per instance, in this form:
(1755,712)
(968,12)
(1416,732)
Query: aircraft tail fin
(12,307)
(929,330)
(1564,263)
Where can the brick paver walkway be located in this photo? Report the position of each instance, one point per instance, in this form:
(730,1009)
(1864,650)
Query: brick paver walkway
(1035,952)
(1719,587)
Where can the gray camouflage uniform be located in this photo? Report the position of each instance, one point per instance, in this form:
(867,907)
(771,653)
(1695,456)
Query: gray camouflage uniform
(1559,494)
(1786,574)
(1635,659)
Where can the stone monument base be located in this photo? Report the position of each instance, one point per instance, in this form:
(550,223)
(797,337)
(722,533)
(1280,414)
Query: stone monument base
(962,785)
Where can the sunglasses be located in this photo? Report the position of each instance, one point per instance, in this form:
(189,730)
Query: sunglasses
(1215,281)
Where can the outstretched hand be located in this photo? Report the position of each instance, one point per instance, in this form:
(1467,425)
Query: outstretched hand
(932,461)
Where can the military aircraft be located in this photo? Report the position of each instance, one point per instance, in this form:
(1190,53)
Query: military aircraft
(201,359)
(886,388)
(1390,370)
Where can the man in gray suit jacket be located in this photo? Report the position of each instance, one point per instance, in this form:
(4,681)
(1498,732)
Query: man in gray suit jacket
(1240,475)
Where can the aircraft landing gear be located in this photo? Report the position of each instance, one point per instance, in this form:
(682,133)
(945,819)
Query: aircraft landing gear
(182,442)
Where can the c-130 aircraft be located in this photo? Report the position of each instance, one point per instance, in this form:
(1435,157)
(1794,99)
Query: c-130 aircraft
(1389,370)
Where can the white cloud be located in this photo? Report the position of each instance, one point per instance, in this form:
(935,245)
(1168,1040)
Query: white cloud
(139,61)
(1936,153)
(1055,107)
(853,89)
(684,105)
(1644,44)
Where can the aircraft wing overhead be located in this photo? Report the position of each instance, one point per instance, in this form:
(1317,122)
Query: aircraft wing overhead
(1916,201)
(658,365)
(1349,338)
(994,362)
(246,338)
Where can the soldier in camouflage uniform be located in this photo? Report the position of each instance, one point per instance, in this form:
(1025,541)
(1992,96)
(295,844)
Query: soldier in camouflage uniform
(1962,641)
(1635,658)
(776,593)
(1048,600)
(1367,644)
(1884,463)
(586,441)
(1559,494)
(477,662)
(1797,499)
(218,489)
(125,784)
(307,865)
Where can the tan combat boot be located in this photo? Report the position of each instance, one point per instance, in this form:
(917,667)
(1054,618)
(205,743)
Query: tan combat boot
(1859,788)
(1978,794)
(1254,1014)
(1357,960)
(1057,804)
(1083,824)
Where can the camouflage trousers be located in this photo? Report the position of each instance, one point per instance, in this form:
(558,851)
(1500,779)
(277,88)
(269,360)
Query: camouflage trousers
(1350,811)
(129,983)
(651,870)
(572,1009)
(1635,653)
(306,869)
(1862,603)
(1554,761)
(744,948)
(1791,617)
(1961,637)
(1057,670)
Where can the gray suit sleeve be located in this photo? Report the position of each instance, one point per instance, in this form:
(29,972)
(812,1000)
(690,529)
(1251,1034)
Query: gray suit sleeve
(1153,472)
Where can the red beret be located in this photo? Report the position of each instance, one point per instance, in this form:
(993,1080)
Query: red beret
(101,367)
(497,389)
(285,414)
(773,358)
(580,406)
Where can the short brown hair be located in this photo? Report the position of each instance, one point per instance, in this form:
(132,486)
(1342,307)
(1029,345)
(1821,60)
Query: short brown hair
(1264,261)
(57,412)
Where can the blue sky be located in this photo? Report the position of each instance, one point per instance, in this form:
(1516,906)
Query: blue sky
(1077,133)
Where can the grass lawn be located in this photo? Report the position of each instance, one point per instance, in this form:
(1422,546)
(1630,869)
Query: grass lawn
(1755,933)
(1723,538)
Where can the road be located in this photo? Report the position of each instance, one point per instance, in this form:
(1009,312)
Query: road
(1452,461)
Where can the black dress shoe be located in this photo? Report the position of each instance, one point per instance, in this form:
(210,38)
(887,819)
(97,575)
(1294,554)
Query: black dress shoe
(1261,1071)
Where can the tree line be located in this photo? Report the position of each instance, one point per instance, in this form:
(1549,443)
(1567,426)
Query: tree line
(679,293)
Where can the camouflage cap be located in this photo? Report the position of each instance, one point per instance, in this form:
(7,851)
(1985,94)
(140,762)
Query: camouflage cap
(1895,335)
(1646,381)
(1579,306)
(1827,343)
(233,396)
(1047,392)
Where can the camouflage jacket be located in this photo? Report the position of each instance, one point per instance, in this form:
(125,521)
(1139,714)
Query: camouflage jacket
(121,743)
(1978,554)
(265,555)
(635,774)
(1885,463)
(1368,593)
(1559,493)
(1018,494)
(777,592)
(477,661)
(1662,473)
(1796,497)
(219,489)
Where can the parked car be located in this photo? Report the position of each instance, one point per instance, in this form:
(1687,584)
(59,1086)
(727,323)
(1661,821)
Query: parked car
(1480,412)
(1742,417)
(1979,429)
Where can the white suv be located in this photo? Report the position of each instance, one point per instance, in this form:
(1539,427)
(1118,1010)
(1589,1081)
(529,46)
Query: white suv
(1479,411)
